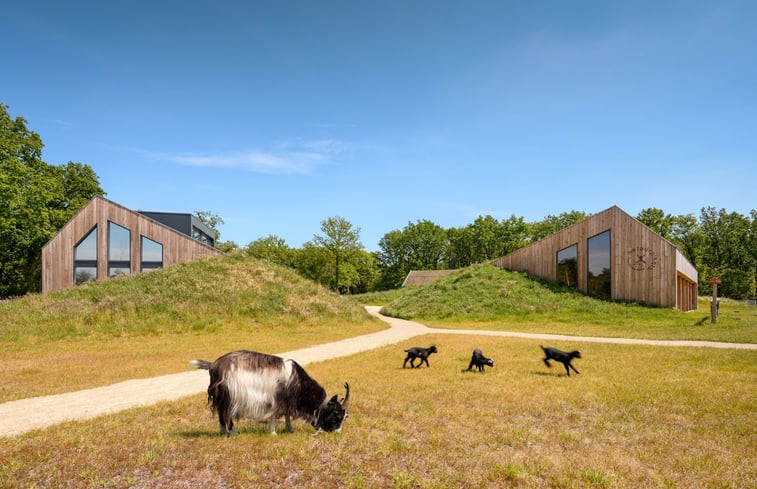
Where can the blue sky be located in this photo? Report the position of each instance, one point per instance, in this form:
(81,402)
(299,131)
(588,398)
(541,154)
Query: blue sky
(277,115)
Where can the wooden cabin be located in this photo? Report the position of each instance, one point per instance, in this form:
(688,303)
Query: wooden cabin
(105,239)
(613,256)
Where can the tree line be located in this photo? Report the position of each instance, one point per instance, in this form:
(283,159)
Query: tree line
(37,199)
(718,243)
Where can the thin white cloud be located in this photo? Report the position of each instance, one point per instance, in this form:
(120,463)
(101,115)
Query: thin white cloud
(59,122)
(287,158)
(334,125)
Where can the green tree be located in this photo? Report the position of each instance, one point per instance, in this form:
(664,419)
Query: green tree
(727,251)
(515,235)
(459,247)
(752,235)
(683,231)
(272,249)
(552,224)
(212,220)
(36,200)
(341,241)
(752,250)
(356,275)
(487,234)
(313,262)
(393,260)
(80,184)
(656,220)
(687,237)
(426,245)
(485,239)
(419,246)
(227,246)
(367,267)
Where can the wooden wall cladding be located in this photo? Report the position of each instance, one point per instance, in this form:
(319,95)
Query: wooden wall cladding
(645,267)
(58,253)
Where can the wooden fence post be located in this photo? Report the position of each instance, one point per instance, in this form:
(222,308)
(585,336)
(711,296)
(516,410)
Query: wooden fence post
(715,304)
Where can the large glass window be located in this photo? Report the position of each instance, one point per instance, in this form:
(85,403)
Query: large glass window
(567,266)
(202,237)
(119,250)
(152,254)
(85,258)
(598,256)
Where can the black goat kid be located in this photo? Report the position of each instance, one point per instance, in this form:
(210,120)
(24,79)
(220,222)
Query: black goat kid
(563,357)
(418,352)
(478,360)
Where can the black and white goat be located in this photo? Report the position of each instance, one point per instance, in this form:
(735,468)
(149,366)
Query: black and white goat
(478,360)
(248,384)
(418,352)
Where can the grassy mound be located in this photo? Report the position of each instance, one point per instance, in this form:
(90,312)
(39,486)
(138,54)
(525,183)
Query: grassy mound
(154,323)
(197,296)
(487,297)
(486,292)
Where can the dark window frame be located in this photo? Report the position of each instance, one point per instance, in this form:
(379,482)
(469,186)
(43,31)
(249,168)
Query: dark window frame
(560,265)
(149,265)
(78,264)
(599,286)
(202,237)
(118,264)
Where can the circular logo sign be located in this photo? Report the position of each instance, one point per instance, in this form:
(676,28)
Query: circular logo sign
(641,258)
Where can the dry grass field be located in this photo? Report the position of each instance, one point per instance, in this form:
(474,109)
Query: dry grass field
(636,416)
(70,365)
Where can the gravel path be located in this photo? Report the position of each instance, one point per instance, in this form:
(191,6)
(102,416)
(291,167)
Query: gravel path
(18,417)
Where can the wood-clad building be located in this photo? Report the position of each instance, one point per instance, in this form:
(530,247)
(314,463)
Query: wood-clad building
(105,239)
(611,255)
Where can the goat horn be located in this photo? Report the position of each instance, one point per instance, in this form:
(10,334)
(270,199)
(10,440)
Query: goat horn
(346,400)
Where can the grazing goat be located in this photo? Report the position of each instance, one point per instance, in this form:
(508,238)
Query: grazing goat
(418,352)
(478,360)
(248,384)
(561,356)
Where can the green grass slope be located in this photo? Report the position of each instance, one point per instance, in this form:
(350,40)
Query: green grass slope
(197,296)
(154,323)
(487,297)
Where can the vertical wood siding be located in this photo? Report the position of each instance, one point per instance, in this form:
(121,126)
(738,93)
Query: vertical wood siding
(687,288)
(686,299)
(58,253)
(653,282)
